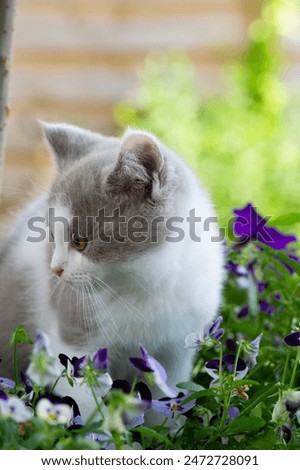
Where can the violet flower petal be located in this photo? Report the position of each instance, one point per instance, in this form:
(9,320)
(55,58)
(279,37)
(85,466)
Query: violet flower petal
(26,382)
(140,364)
(233,412)
(215,326)
(250,225)
(151,365)
(242,312)
(219,333)
(3,396)
(248,222)
(100,360)
(293,339)
(79,365)
(254,350)
(279,241)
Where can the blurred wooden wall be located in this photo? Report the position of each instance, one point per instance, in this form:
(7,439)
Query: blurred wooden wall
(74,59)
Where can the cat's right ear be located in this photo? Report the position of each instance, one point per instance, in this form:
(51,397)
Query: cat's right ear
(69,143)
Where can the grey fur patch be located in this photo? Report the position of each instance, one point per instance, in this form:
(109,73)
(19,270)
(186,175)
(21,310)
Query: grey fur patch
(69,143)
(130,177)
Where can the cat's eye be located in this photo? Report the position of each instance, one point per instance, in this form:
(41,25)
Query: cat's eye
(79,242)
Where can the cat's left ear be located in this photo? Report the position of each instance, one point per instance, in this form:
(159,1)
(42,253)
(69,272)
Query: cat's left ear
(69,143)
(140,167)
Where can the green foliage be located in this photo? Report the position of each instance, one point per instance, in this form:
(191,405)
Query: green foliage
(244,142)
(259,398)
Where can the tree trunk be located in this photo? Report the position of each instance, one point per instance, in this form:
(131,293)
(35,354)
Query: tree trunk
(7,13)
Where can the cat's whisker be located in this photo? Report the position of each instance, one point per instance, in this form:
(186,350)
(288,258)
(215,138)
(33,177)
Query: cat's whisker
(87,314)
(141,285)
(119,298)
(98,301)
(109,338)
(92,314)
(81,307)
(99,320)
(110,320)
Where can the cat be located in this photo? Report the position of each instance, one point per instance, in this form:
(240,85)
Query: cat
(89,283)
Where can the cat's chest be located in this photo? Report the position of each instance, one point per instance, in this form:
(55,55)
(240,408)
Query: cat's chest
(111,317)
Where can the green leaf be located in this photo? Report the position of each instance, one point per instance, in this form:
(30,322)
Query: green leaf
(154,434)
(290,262)
(194,396)
(282,257)
(191,386)
(240,383)
(20,335)
(287,219)
(245,425)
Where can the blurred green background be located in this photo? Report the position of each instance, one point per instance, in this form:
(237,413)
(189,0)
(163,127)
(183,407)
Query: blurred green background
(244,142)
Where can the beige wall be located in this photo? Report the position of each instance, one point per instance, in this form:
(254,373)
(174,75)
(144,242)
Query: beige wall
(74,59)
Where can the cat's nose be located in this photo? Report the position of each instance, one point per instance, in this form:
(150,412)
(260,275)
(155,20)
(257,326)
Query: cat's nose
(58,270)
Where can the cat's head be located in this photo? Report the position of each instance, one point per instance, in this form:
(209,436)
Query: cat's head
(109,201)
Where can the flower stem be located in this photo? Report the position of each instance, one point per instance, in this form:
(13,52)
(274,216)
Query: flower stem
(228,397)
(117,440)
(225,400)
(15,364)
(295,368)
(221,366)
(97,401)
(56,382)
(287,360)
(236,359)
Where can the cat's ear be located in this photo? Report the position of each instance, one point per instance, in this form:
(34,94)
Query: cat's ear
(69,143)
(140,167)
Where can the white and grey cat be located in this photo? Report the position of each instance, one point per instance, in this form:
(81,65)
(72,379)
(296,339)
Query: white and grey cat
(143,286)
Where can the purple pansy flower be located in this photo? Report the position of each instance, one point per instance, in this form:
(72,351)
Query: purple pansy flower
(53,413)
(266,308)
(43,368)
(242,312)
(172,406)
(140,388)
(228,361)
(293,339)
(143,397)
(13,407)
(26,382)
(211,332)
(285,432)
(150,365)
(251,226)
(105,439)
(77,365)
(77,368)
(7,384)
(231,344)
(261,286)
